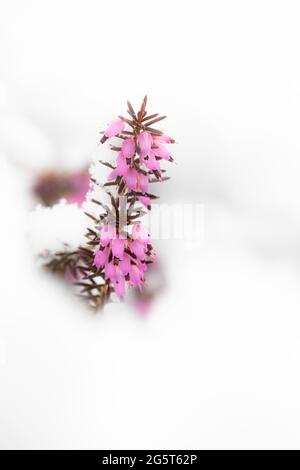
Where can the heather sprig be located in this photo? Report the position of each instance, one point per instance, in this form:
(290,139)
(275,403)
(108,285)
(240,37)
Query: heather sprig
(119,250)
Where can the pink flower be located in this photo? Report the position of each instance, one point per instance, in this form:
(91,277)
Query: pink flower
(125,260)
(142,266)
(109,270)
(163,152)
(136,276)
(145,142)
(119,286)
(117,247)
(128,148)
(143,305)
(138,248)
(108,232)
(133,265)
(143,182)
(114,128)
(114,273)
(101,257)
(125,264)
(137,181)
(151,162)
(109,238)
(131,178)
(163,139)
(122,166)
(51,186)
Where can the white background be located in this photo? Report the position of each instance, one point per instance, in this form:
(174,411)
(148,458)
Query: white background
(216,362)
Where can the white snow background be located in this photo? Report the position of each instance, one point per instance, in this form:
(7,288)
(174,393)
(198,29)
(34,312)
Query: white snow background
(216,362)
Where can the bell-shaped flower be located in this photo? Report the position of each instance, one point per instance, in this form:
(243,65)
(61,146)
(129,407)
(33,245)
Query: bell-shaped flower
(114,128)
(131,178)
(136,276)
(145,142)
(117,279)
(119,286)
(151,162)
(143,183)
(138,247)
(117,247)
(163,139)
(135,180)
(128,148)
(101,257)
(122,166)
(142,266)
(109,270)
(163,152)
(125,264)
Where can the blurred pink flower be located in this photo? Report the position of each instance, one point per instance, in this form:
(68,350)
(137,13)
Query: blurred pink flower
(51,186)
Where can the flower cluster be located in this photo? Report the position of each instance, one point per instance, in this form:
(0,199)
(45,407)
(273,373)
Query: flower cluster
(124,258)
(118,250)
(141,149)
(125,250)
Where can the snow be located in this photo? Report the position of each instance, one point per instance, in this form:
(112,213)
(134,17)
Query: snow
(215,363)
